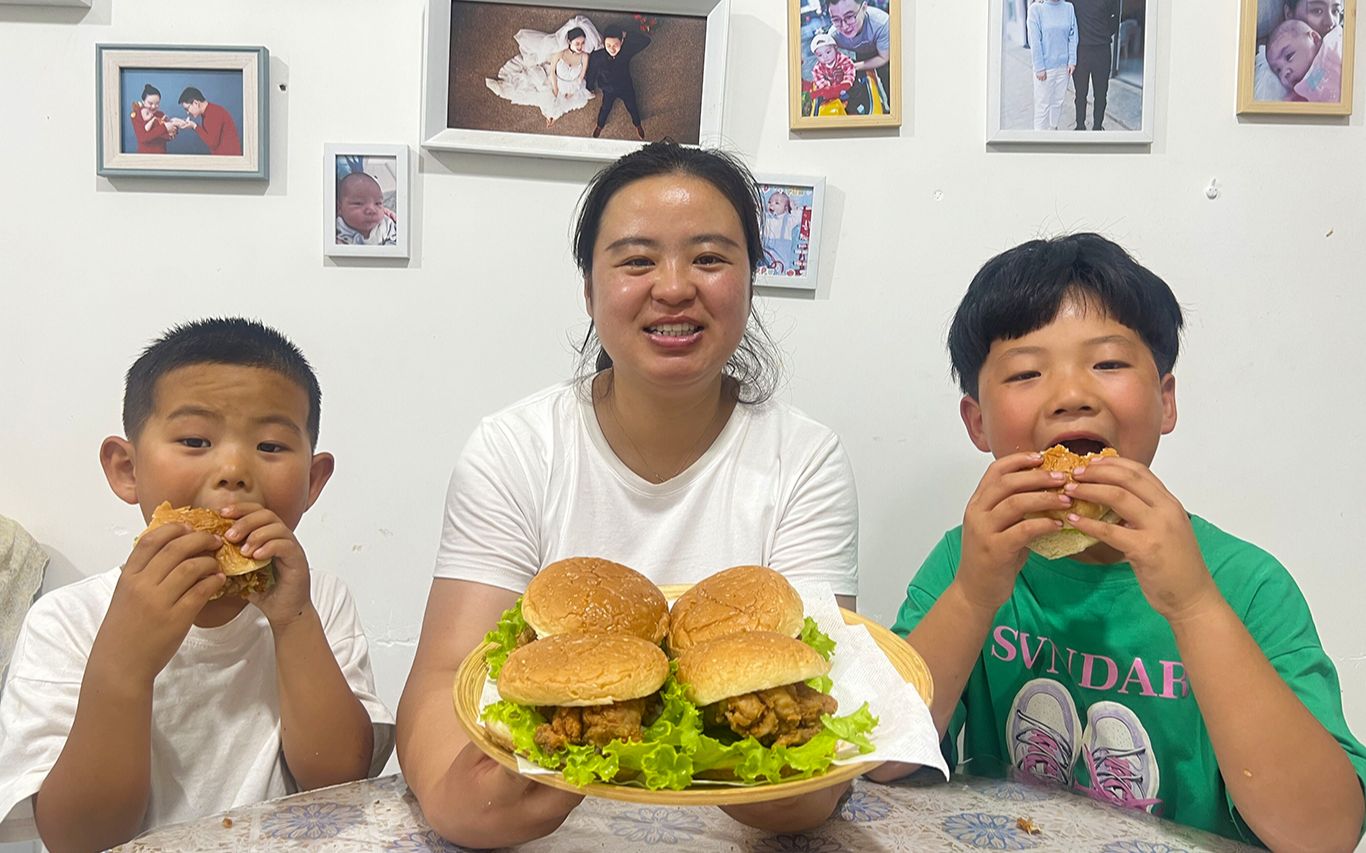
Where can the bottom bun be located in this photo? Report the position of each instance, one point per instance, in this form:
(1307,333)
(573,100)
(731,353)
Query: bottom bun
(501,735)
(1068,541)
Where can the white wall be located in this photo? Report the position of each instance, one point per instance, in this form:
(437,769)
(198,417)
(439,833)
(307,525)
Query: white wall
(1271,385)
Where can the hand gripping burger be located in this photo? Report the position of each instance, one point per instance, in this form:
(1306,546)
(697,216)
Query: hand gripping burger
(743,598)
(580,595)
(1069,540)
(244,574)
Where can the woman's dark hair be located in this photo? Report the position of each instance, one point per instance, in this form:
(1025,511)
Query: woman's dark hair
(575,33)
(1021,290)
(149,89)
(755,365)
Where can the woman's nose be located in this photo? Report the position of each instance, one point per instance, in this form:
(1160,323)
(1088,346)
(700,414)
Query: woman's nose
(673,283)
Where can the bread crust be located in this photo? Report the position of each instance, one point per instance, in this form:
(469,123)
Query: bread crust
(575,670)
(741,598)
(1069,540)
(238,568)
(588,594)
(744,663)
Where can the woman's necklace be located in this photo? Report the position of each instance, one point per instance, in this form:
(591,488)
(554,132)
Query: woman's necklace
(687,459)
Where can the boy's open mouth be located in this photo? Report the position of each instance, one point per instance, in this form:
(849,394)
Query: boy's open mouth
(1082,446)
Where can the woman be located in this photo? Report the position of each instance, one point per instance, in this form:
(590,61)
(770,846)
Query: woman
(669,457)
(1053,39)
(549,69)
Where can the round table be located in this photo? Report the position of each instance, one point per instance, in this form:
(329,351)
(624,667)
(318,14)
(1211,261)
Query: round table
(968,813)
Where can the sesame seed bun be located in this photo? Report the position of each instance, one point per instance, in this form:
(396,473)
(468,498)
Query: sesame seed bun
(583,669)
(743,598)
(587,594)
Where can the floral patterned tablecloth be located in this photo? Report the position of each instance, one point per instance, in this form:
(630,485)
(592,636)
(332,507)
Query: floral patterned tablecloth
(966,814)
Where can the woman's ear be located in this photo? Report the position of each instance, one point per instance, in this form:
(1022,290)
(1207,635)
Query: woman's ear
(588,295)
(117,460)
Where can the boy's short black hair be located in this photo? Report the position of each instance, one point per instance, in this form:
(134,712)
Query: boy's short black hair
(1021,290)
(216,340)
(190,95)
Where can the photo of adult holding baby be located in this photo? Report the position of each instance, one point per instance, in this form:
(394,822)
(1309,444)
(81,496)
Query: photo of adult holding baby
(1296,56)
(570,71)
(843,63)
(669,428)
(205,118)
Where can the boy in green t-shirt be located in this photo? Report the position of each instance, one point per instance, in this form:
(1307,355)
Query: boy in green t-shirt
(1169,667)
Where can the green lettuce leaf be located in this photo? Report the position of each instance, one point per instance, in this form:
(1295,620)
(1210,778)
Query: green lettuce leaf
(504,638)
(817,639)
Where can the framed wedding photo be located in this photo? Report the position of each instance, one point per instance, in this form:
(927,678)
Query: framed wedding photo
(844,63)
(790,209)
(587,81)
(181,111)
(1079,72)
(365,201)
(1295,57)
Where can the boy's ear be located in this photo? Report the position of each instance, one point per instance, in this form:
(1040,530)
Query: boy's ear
(116,458)
(319,472)
(1168,391)
(971,413)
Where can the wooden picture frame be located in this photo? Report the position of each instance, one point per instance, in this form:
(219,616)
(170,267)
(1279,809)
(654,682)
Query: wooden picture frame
(221,133)
(1264,89)
(1131,75)
(386,234)
(706,21)
(833,95)
(791,215)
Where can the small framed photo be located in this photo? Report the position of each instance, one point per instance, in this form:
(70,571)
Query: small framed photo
(365,208)
(1072,71)
(844,63)
(179,111)
(790,213)
(1296,57)
(590,81)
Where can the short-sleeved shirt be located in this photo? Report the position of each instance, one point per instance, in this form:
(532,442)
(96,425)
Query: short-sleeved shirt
(215,707)
(1088,629)
(875,36)
(538,482)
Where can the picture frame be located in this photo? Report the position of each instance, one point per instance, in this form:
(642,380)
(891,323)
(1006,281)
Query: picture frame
(1127,79)
(1326,32)
(352,227)
(445,65)
(791,212)
(223,133)
(833,95)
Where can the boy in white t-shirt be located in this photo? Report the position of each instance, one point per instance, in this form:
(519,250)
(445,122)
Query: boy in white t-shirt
(136,697)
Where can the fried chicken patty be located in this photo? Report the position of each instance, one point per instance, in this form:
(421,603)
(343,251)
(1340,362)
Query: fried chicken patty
(789,715)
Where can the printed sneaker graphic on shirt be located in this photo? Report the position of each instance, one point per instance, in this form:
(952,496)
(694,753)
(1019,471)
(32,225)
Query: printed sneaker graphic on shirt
(1044,731)
(1117,757)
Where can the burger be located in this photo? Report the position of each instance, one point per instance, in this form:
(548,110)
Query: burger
(576,596)
(1069,540)
(572,694)
(743,598)
(244,574)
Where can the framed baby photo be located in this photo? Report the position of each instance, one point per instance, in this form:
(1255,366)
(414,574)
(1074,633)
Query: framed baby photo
(1296,57)
(1065,72)
(790,213)
(589,81)
(179,111)
(365,205)
(844,63)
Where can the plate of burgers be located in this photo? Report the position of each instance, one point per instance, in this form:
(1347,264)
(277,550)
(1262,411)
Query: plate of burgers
(593,683)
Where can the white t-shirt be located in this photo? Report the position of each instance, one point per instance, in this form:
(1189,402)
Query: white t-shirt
(538,482)
(215,708)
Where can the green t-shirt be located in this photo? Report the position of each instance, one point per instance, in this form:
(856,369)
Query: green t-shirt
(1085,633)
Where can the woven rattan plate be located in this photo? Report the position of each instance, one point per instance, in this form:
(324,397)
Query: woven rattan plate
(473,672)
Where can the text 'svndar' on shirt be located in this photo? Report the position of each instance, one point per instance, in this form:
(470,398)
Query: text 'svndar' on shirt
(1077,663)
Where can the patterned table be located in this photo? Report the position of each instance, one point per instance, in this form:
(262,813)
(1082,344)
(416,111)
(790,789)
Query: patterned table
(966,814)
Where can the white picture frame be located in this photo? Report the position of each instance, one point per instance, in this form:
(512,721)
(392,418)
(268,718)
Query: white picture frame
(383,163)
(1000,131)
(791,237)
(436,75)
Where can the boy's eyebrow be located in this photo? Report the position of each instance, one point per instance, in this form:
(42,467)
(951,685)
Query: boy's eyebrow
(202,412)
(1090,342)
(280,420)
(1110,339)
(648,243)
